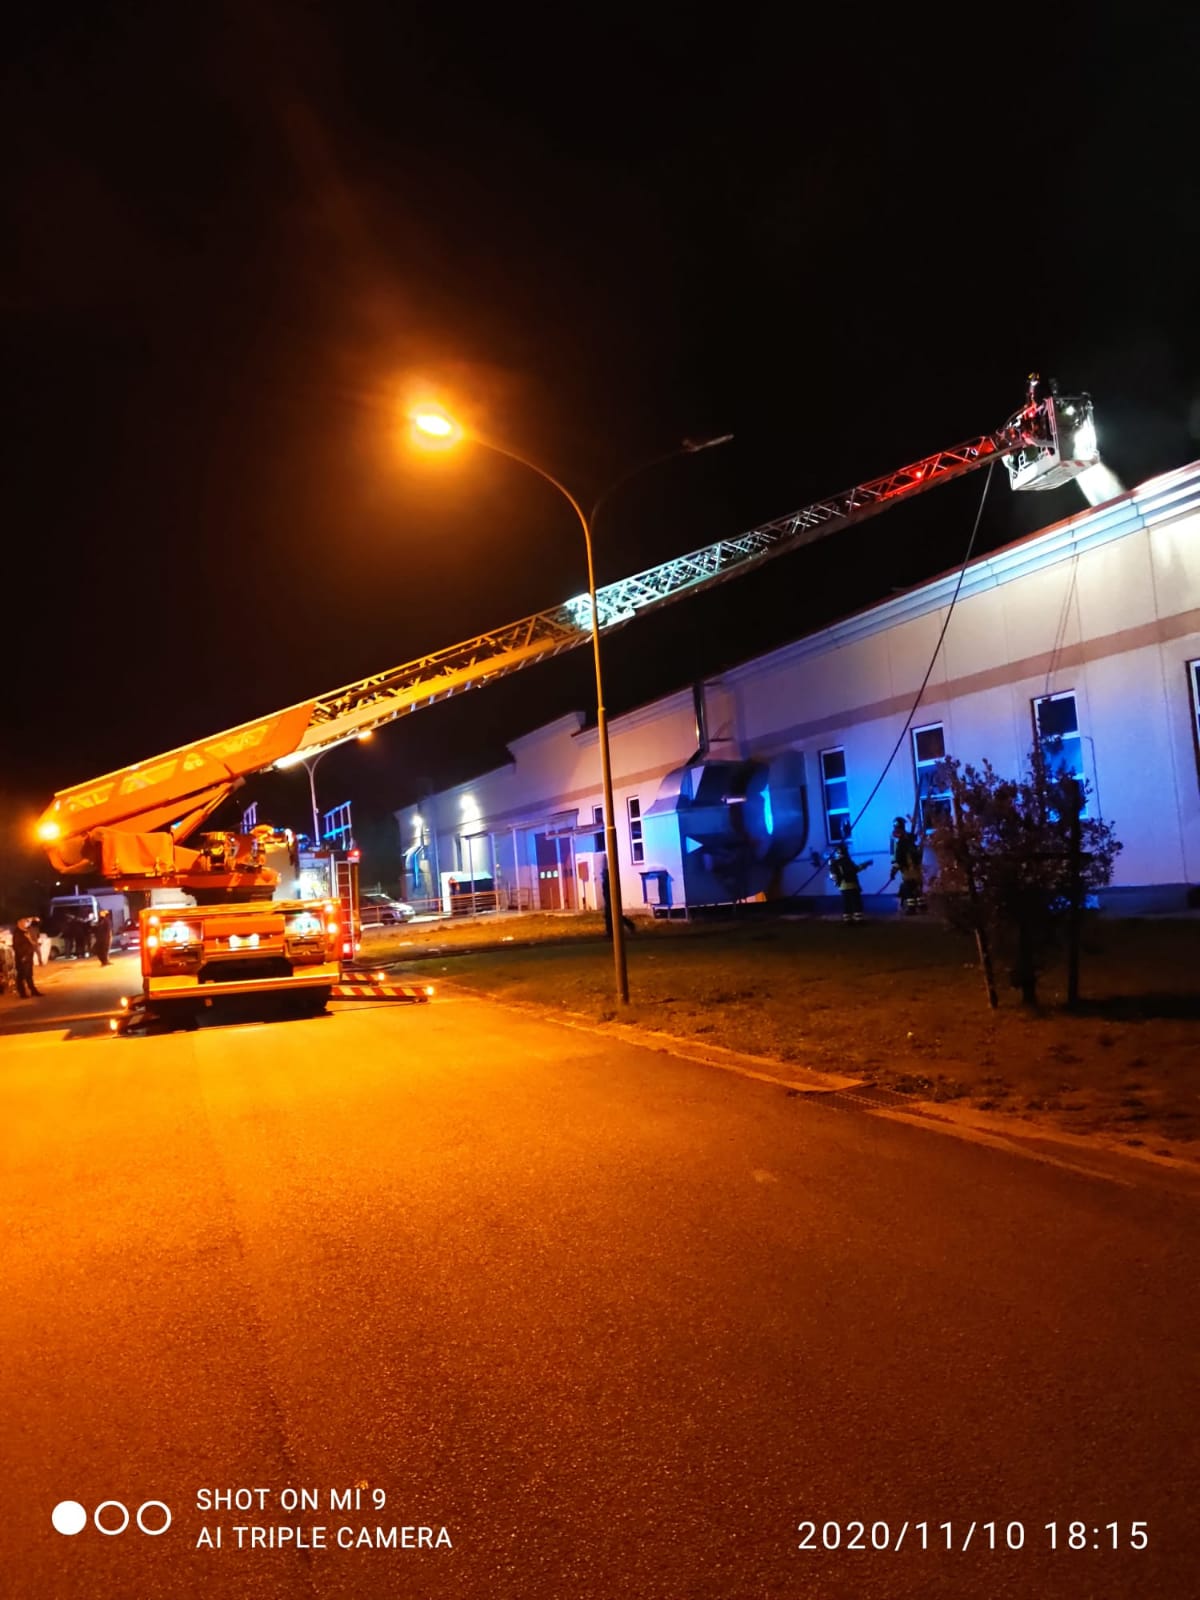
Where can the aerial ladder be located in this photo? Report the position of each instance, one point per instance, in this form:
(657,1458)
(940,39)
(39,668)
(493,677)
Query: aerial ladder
(139,827)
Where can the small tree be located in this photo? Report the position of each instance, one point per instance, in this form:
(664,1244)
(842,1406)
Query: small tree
(1016,859)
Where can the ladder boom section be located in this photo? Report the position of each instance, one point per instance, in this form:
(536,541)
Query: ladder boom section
(374,701)
(182,787)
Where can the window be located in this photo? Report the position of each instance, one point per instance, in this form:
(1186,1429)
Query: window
(836,794)
(1194,680)
(637,850)
(933,798)
(1056,719)
(598,838)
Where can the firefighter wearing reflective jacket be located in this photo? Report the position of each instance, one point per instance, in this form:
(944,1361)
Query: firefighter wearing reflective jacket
(907,852)
(844,871)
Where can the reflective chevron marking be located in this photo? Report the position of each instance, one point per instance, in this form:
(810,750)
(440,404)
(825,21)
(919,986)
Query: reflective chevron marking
(380,991)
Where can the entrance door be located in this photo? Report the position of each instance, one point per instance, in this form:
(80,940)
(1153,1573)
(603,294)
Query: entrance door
(549,885)
(566,857)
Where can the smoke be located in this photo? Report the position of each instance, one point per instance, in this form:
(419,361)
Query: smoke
(1100,484)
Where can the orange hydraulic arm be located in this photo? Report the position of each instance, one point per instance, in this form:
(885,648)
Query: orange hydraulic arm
(131,824)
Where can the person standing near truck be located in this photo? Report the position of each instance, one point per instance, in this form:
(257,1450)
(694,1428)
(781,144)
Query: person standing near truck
(23,947)
(102,938)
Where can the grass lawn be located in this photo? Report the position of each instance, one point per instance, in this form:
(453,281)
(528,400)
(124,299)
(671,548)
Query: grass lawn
(899,1003)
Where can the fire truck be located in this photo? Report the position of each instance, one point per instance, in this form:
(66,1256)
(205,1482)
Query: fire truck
(205,940)
(139,828)
(237,940)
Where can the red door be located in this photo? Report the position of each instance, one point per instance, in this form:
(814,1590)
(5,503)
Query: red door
(566,855)
(549,886)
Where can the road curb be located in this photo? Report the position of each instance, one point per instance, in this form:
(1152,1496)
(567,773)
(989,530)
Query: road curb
(809,1081)
(898,1107)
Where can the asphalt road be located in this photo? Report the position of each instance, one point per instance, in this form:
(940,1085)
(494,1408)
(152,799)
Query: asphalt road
(621,1323)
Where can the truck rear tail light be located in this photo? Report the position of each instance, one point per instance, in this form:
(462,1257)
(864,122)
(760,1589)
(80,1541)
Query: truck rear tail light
(172,944)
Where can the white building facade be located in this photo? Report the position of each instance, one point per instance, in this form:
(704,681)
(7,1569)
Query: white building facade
(1088,631)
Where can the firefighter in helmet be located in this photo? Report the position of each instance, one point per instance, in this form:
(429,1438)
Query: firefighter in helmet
(907,853)
(844,871)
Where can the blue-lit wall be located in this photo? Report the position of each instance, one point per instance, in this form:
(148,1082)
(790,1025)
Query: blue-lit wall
(1105,606)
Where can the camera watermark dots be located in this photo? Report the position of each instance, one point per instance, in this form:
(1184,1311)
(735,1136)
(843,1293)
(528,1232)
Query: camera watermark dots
(69,1517)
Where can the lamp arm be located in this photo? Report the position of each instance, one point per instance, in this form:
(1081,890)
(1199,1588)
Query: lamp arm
(634,472)
(548,477)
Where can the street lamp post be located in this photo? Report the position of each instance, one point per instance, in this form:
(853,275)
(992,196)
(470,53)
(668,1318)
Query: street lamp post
(310,765)
(311,768)
(442,428)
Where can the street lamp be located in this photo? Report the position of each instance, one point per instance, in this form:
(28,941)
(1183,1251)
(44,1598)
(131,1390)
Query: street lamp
(440,428)
(310,765)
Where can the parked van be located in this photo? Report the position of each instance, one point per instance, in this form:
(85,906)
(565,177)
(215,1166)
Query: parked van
(84,907)
(66,908)
(89,906)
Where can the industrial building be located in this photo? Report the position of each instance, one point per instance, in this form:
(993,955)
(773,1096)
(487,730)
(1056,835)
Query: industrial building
(1088,631)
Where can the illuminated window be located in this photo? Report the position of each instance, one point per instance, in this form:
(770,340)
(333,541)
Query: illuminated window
(1056,723)
(836,794)
(933,798)
(1194,680)
(598,838)
(637,850)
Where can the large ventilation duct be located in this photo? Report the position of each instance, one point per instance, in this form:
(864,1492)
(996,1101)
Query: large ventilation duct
(733,825)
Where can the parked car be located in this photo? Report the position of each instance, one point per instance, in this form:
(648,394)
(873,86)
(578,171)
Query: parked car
(376,910)
(129,938)
(58,940)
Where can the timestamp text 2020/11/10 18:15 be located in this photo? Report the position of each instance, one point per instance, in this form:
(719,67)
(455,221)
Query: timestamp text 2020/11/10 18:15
(990,1535)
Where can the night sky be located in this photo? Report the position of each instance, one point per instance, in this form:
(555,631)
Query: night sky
(238,235)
